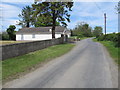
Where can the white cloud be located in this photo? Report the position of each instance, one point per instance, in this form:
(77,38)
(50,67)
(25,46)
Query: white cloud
(9,11)
(9,14)
(91,14)
(63,0)
(86,11)
(10,1)
(96,0)
(8,22)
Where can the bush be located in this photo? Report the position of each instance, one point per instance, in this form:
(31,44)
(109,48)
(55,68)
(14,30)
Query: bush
(101,38)
(80,36)
(114,37)
(117,44)
(4,36)
(117,40)
(110,37)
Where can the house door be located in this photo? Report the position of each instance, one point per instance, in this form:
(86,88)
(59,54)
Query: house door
(22,38)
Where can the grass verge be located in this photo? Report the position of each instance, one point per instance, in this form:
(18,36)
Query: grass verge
(10,42)
(84,38)
(74,37)
(113,51)
(14,66)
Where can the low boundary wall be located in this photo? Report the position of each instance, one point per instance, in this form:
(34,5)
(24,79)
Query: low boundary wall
(13,50)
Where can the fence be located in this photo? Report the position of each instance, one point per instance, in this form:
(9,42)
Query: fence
(13,50)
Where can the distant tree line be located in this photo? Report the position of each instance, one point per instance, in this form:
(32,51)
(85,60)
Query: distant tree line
(84,30)
(9,34)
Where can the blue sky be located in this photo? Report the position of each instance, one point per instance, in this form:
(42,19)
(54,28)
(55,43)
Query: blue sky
(90,12)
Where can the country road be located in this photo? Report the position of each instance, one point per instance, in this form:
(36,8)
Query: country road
(87,65)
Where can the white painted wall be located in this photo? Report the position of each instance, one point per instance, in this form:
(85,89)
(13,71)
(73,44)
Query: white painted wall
(37,36)
(69,35)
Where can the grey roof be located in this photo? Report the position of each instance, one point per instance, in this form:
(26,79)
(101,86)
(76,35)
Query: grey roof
(67,32)
(41,30)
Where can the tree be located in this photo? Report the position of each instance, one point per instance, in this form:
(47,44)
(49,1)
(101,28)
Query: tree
(4,36)
(57,11)
(43,21)
(97,31)
(26,16)
(84,29)
(118,7)
(11,32)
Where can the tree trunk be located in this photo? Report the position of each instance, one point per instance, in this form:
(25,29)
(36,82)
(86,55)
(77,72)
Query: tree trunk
(54,24)
(53,31)
(28,25)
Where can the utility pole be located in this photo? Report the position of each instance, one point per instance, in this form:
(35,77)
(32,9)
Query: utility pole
(105,23)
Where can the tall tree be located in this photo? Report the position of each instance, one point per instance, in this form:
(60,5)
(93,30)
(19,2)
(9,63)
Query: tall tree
(43,21)
(11,32)
(58,11)
(83,28)
(118,7)
(86,29)
(26,17)
(97,31)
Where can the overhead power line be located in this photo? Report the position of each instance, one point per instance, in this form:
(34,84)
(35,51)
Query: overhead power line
(101,10)
(99,7)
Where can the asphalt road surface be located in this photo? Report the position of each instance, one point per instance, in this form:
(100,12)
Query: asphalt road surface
(87,65)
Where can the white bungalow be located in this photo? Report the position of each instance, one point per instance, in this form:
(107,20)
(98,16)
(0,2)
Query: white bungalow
(41,33)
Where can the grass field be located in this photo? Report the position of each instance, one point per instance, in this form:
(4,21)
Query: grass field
(114,51)
(74,37)
(10,42)
(14,66)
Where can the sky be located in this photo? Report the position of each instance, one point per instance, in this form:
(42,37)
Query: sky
(89,11)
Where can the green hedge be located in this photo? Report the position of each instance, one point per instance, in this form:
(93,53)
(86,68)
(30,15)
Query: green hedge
(111,37)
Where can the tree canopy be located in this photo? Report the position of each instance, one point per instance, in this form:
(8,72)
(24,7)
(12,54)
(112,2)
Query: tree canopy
(97,31)
(26,16)
(51,13)
(83,29)
(118,7)
(46,14)
(11,32)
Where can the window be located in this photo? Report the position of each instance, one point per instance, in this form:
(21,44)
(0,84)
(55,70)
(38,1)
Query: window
(33,36)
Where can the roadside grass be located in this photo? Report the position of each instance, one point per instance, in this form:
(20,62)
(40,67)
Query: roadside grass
(113,51)
(74,37)
(10,42)
(0,74)
(84,38)
(11,68)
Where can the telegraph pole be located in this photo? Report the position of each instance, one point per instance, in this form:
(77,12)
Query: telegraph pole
(105,22)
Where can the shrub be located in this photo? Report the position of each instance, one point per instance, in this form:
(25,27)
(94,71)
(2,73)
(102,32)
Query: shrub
(4,36)
(117,40)
(114,37)
(80,36)
(110,37)
(101,38)
(117,44)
